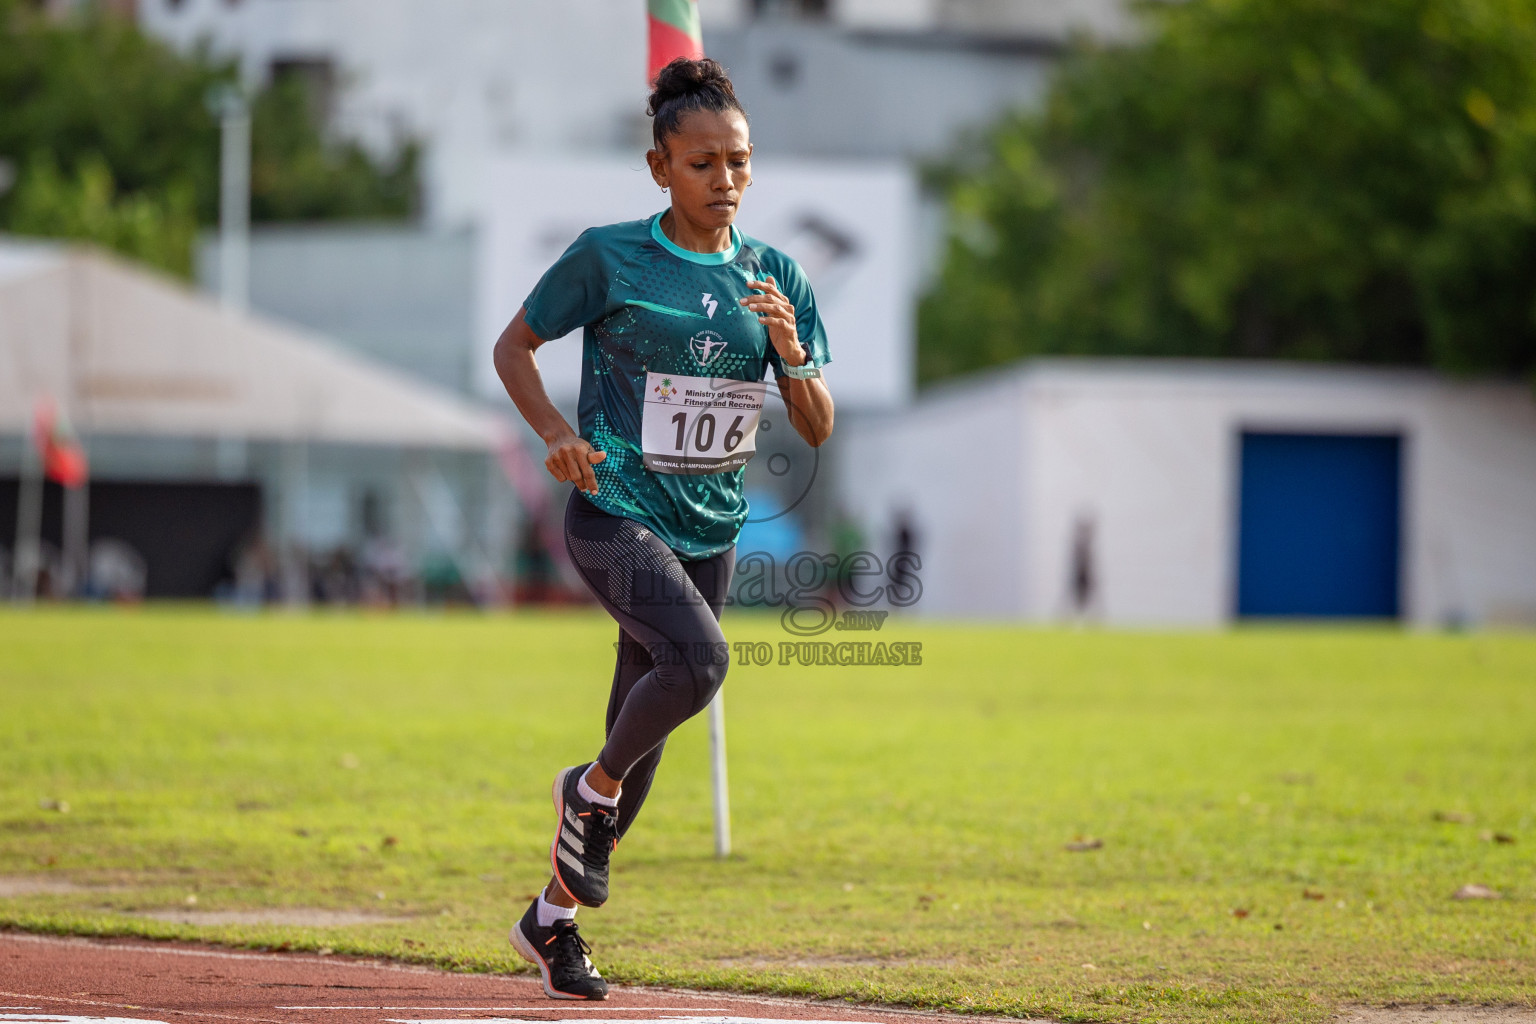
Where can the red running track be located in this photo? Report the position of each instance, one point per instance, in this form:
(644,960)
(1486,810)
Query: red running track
(49,980)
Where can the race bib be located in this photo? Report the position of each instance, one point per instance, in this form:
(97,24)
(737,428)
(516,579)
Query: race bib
(699,425)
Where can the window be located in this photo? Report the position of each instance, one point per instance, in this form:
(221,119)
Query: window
(317,75)
(790,8)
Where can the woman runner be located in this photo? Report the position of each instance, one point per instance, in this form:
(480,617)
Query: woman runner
(681,317)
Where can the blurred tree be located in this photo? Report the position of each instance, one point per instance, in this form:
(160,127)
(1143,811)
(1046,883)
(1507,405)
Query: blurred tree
(297,175)
(157,227)
(111,140)
(1306,179)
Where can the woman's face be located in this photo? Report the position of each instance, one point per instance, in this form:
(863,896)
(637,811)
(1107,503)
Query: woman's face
(706,164)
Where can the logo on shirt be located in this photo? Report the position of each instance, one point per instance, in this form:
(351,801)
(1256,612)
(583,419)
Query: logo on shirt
(706,347)
(710,304)
(666,389)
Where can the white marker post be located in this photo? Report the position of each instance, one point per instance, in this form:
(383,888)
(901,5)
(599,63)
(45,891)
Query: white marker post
(717,775)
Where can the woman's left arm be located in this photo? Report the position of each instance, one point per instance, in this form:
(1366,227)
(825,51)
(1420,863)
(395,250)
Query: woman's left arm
(808,400)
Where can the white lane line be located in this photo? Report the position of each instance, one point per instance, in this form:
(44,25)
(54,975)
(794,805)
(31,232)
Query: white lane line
(614,1020)
(863,1010)
(133,1006)
(212,954)
(65,1018)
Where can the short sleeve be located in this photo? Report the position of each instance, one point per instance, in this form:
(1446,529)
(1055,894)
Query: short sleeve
(796,287)
(572,293)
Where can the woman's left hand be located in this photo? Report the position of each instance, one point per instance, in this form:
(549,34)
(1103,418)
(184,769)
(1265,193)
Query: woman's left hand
(777,313)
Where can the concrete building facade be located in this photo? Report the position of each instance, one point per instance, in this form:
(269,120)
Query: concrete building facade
(1195,494)
(475,78)
(466,77)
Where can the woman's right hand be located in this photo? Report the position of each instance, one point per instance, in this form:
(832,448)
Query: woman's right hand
(571,459)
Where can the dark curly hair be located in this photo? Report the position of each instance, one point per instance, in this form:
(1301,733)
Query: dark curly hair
(684,86)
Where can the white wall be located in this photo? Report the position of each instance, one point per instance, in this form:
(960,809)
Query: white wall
(1473,478)
(1056,19)
(957,465)
(1045,19)
(537,207)
(813,90)
(1149,451)
(1151,475)
(889,15)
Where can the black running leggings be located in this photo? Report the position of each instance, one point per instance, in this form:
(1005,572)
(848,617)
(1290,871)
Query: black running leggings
(672,656)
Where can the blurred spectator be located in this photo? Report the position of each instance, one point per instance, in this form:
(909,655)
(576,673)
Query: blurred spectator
(847,540)
(1082,571)
(116,572)
(902,570)
(384,572)
(442,582)
(335,578)
(534,579)
(255,575)
(50,576)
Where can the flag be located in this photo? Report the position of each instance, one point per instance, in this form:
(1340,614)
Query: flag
(675,33)
(63,458)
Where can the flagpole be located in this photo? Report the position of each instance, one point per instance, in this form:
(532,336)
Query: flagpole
(294,559)
(29,521)
(229,105)
(674,30)
(77,519)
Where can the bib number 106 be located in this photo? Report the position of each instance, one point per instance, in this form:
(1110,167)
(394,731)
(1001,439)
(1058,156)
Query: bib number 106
(697,425)
(704,433)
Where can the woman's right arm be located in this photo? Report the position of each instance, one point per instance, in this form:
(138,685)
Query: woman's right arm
(570,458)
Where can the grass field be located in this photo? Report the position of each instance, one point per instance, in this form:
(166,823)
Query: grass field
(900,832)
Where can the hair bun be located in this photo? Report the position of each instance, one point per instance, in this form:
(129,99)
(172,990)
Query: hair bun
(684,78)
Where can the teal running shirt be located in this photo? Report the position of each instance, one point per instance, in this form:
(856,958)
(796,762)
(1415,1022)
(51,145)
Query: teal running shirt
(672,371)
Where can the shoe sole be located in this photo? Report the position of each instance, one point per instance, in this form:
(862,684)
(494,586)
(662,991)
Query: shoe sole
(557,797)
(525,950)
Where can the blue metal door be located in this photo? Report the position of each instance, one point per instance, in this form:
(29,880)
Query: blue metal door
(1319,525)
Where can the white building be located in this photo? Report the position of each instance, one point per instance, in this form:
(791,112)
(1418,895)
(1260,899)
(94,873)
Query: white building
(906,79)
(1042,19)
(849,225)
(860,87)
(474,78)
(467,77)
(393,293)
(1190,493)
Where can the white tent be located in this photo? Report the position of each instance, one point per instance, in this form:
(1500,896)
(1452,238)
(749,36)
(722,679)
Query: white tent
(124,351)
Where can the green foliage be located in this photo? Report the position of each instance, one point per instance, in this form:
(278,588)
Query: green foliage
(113,142)
(1307,179)
(155,226)
(109,135)
(297,175)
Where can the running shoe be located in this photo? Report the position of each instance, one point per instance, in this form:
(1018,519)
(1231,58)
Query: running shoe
(585,834)
(561,955)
